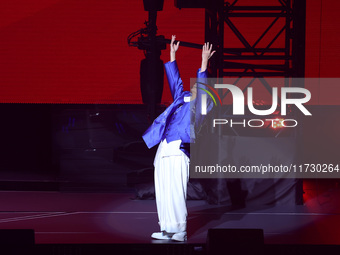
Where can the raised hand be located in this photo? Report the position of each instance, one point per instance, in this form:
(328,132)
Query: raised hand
(173,48)
(206,51)
(206,54)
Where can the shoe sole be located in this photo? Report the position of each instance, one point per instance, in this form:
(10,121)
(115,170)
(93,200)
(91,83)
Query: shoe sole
(161,238)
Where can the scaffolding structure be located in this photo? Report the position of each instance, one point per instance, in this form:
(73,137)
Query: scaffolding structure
(238,61)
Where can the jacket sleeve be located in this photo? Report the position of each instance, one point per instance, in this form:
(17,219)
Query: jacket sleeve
(202,81)
(175,81)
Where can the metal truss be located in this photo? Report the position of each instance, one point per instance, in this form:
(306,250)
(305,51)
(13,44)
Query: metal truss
(262,58)
(285,61)
(258,53)
(277,49)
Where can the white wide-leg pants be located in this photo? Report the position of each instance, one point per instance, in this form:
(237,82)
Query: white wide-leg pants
(171,178)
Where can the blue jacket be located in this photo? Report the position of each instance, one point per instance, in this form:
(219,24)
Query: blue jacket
(174,123)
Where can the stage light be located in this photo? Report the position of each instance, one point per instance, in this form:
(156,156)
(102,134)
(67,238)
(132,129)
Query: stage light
(277,123)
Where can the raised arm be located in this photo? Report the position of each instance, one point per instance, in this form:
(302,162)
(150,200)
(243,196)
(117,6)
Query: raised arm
(202,73)
(201,88)
(172,72)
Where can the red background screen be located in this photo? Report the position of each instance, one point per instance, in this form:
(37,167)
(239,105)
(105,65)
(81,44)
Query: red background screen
(76,51)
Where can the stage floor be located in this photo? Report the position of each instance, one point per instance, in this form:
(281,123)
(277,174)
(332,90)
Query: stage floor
(97,218)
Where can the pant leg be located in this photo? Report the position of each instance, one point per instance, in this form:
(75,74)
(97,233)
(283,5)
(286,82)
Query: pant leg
(171,178)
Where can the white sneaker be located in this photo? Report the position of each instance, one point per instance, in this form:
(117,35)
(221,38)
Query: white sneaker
(180,236)
(160,236)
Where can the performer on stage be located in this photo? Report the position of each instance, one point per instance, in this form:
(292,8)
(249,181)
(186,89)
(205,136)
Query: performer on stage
(172,130)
